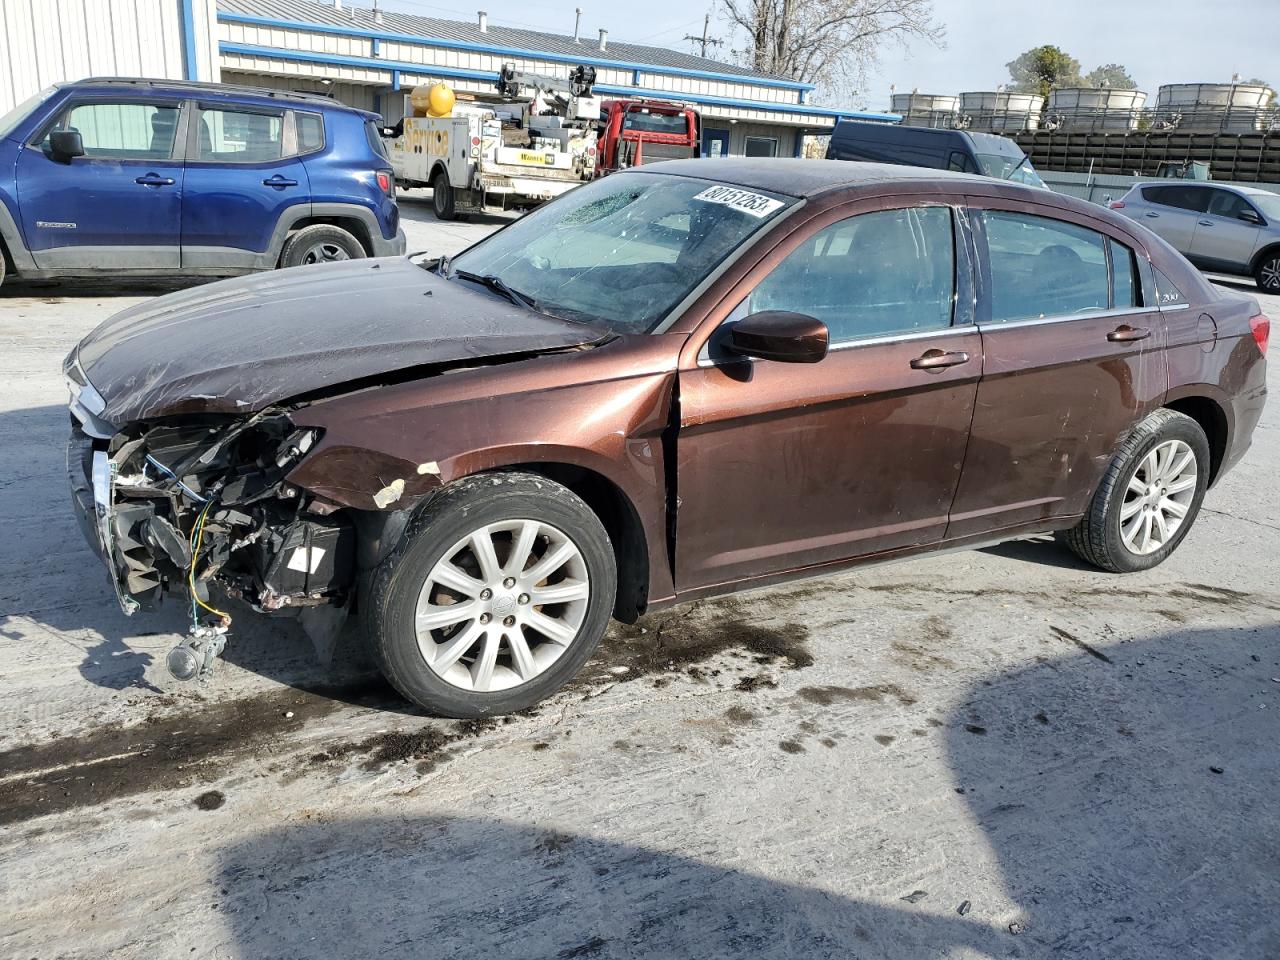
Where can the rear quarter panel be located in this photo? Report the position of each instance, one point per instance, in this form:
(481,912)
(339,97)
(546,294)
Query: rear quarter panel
(345,170)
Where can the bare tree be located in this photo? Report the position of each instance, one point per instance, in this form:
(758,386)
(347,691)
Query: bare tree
(830,43)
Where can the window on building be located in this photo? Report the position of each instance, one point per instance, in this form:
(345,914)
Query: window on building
(1044,268)
(233,136)
(122,131)
(761,147)
(872,275)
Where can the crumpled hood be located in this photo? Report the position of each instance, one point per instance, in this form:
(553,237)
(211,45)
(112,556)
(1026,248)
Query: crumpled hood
(239,345)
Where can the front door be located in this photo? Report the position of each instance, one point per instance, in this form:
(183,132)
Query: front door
(241,176)
(1222,239)
(1072,360)
(119,206)
(715,143)
(786,465)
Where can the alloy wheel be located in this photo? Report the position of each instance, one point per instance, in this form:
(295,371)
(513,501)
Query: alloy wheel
(1270,274)
(502,605)
(1158,497)
(325,253)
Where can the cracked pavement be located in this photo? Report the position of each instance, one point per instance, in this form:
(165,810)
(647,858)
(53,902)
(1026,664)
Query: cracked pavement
(993,753)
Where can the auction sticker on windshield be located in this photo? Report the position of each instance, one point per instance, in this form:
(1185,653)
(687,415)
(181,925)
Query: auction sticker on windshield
(755,204)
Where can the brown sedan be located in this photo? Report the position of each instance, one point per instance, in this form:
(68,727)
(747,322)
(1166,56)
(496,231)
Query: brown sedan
(672,383)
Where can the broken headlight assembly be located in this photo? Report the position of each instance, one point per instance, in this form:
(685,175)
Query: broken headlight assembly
(203,500)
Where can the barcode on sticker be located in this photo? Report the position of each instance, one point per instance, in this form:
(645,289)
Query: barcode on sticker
(755,204)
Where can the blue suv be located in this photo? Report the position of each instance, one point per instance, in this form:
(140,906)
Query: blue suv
(159,177)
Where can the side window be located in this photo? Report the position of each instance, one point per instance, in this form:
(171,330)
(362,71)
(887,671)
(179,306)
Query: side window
(1227,204)
(310,128)
(375,140)
(234,136)
(1042,267)
(1195,199)
(1167,295)
(875,274)
(1124,291)
(121,131)
(958,162)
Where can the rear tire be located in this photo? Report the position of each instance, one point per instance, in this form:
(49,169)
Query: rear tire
(1145,480)
(320,243)
(442,199)
(1267,276)
(465,642)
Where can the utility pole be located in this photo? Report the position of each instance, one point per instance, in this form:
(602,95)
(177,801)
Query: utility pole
(704,40)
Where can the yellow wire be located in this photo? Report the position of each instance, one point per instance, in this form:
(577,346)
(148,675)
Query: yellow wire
(198,533)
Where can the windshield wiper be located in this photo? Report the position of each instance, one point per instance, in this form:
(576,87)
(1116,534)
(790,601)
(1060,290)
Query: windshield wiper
(496,283)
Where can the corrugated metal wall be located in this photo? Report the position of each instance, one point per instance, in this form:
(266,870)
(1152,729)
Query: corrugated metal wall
(47,41)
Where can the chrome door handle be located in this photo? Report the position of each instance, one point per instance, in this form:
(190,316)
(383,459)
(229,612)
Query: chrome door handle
(1127,334)
(938,359)
(1205,223)
(1152,214)
(155,180)
(279,181)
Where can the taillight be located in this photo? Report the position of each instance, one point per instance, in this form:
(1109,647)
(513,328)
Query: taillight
(1261,327)
(1116,204)
(386,182)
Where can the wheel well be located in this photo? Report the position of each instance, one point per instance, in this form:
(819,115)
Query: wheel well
(1262,255)
(1212,420)
(353,225)
(621,522)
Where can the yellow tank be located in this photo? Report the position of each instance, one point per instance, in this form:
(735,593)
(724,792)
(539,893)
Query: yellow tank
(435,100)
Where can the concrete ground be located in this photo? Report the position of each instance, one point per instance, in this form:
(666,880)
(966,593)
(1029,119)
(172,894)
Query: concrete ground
(997,753)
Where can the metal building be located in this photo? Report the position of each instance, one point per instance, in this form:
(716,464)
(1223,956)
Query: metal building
(367,58)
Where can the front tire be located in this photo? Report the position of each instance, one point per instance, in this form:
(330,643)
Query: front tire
(496,597)
(442,198)
(1149,497)
(1267,275)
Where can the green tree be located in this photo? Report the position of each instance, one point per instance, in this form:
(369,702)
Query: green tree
(1041,69)
(1111,75)
(1270,100)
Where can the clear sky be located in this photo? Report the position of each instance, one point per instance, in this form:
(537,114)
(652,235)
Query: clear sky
(1160,41)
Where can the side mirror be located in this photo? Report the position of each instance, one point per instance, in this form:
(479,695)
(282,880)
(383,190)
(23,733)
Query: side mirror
(1251,216)
(65,145)
(779,335)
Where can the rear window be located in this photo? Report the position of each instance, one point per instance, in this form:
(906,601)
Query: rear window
(1042,267)
(642,121)
(310,132)
(375,140)
(1195,199)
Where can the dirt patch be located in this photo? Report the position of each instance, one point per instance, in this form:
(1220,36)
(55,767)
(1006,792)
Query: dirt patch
(825,696)
(683,641)
(884,739)
(1092,651)
(790,746)
(210,800)
(740,716)
(164,752)
(428,745)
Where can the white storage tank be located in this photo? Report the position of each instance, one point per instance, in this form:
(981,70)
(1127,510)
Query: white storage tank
(999,111)
(1100,109)
(1217,107)
(925,109)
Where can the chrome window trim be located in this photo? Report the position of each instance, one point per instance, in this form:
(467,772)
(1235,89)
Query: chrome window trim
(1068,317)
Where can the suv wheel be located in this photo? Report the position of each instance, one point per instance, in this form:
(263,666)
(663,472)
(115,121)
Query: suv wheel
(320,243)
(442,199)
(1268,274)
(1148,498)
(498,594)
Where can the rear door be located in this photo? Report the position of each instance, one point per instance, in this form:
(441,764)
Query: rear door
(785,465)
(1173,211)
(242,174)
(1222,239)
(118,206)
(1073,357)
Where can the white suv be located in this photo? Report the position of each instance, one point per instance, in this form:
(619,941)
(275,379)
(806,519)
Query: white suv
(1216,227)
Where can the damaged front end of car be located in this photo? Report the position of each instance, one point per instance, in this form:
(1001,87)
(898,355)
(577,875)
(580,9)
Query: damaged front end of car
(186,502)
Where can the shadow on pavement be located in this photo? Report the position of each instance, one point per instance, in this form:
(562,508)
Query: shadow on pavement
(1129,807)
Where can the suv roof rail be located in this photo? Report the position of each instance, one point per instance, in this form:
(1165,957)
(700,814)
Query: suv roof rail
(212,88)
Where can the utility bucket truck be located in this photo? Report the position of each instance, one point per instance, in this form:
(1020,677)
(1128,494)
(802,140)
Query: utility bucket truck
(476,156)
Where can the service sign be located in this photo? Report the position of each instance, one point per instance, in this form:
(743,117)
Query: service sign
(753,204)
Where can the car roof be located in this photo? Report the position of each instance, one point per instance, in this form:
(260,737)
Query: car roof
(811,178)
(213,91)
(1174,182)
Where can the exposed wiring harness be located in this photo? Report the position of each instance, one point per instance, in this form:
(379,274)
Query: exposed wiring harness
(195,540)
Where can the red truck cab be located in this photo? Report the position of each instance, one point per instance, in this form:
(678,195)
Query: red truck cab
(637,131)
